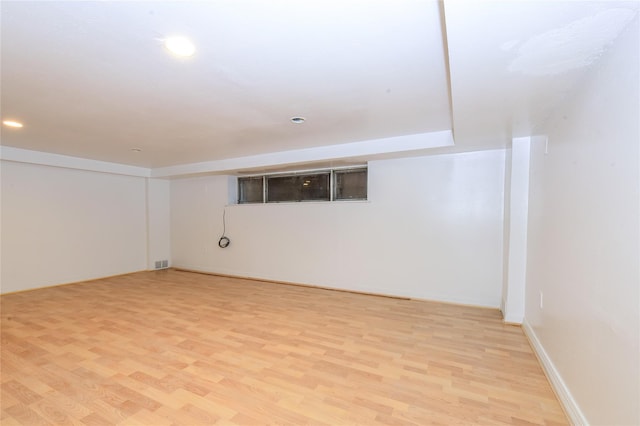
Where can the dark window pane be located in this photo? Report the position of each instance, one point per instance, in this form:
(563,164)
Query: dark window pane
(250,190)
(350,184)
(312,187)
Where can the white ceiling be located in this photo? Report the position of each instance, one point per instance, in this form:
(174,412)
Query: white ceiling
(92,79)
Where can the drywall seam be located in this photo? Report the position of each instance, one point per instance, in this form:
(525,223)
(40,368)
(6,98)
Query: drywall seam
(571,408)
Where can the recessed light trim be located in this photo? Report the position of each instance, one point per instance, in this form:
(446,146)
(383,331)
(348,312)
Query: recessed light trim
(180,46)
(298,120)
(13,123)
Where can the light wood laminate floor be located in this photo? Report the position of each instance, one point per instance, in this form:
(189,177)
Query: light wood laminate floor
(171,347)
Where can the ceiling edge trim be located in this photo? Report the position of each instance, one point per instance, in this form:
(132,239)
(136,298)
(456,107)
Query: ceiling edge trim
(372,147)
(19,155)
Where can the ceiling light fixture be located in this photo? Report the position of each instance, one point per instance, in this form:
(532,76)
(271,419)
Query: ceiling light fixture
(11,123)
(298,120)
(180,46)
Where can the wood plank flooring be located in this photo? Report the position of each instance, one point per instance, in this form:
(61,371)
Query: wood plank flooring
(178,348)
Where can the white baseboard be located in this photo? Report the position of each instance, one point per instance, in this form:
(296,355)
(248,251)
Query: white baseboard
(356,289)
(512,319)
(571,408)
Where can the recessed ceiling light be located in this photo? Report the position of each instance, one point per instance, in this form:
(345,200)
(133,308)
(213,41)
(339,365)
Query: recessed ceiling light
(180,46)
(12,123)
(297,120)
(136,150)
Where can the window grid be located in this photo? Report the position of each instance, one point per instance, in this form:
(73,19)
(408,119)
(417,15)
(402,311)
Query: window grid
(356,187)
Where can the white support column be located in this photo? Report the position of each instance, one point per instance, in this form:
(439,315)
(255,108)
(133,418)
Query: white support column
(158,223)
(516,210)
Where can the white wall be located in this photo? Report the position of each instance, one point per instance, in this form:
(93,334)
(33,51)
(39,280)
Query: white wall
(432,229)
(583,249)
(62,225)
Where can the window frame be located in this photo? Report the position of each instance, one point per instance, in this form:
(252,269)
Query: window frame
(344,171)
(240,191)
(267,178)
(331,172)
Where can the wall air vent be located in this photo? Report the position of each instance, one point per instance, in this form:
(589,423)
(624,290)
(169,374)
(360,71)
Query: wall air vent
(161,264)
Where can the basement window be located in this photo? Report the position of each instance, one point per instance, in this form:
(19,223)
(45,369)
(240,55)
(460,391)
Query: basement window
(307,187)
(318,185)
(250,190)
(350,184)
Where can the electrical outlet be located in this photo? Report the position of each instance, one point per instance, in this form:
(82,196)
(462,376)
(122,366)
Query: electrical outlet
(541,300)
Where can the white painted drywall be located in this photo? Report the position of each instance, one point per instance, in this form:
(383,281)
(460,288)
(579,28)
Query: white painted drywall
(158,222)
(515,253)
(432,229)
(506,224)
(10,153)
(583,251)
(373,148)
(62,225)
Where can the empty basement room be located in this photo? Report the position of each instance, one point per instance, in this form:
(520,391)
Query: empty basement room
(405,212)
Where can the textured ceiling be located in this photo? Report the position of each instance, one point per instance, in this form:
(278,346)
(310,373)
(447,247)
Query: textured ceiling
(93,80)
